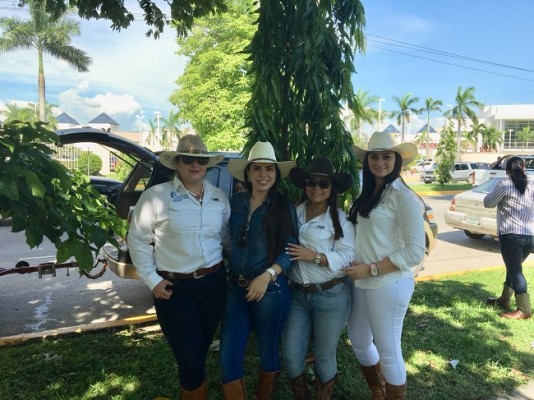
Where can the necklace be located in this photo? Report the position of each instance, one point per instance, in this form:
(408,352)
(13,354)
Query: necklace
(199,196)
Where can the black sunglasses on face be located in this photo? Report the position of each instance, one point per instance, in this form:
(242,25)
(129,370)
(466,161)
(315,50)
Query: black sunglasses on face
(188,160)
(323,184)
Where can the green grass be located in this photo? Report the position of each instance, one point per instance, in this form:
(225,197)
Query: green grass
(447,320)
(436,187)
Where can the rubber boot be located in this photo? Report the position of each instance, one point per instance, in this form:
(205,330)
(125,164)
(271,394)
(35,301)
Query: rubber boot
(522,311)
(375,380)
(235,390)
(504,300)
(200,393)
(300,387)
(265,385)
(323,391)
(395,392)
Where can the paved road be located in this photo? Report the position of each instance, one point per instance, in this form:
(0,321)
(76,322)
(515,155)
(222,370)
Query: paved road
(29,304)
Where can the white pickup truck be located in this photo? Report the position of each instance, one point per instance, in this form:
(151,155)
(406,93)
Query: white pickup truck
(499,169)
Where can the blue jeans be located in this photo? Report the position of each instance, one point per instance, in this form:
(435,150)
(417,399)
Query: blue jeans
(322,315)
(265,317)
(514,250)
(189,320)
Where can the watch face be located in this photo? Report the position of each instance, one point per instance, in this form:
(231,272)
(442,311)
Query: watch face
(317,259)
(374,270)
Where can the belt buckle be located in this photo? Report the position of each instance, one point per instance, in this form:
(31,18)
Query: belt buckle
(195,275)
(318,288)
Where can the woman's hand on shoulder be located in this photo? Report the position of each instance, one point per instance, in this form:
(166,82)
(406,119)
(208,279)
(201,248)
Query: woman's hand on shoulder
(357,271)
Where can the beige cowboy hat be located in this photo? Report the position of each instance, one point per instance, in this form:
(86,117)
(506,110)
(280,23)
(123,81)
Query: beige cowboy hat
(189,145)
(261,152)
(383,141)
(321,167)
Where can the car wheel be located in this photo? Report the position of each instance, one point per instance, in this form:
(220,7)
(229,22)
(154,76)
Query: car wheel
(473,235)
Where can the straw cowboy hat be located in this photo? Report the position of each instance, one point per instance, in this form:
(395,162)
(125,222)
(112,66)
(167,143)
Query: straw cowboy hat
(321,167)
(189,145)
(383,141)
(261,152)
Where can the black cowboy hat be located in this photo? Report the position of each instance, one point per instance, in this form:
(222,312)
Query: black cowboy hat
(321,167)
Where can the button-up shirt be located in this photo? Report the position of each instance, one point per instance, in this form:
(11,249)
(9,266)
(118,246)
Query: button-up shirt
(250,257)
(172,231)
(515,211)
(394,229)
(318,234)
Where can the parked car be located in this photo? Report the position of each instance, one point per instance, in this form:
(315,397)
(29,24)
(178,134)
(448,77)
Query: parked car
(461,171)
(498,169)
(467,212)
(147,171)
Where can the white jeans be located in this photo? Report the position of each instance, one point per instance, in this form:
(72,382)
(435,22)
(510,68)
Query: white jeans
(375,327)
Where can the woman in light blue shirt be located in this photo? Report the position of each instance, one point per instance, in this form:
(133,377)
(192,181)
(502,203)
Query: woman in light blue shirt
(320,294)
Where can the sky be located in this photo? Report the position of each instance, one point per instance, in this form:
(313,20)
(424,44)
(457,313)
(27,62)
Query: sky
(488,42)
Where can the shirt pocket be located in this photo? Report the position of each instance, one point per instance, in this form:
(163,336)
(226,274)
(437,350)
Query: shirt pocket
(184,217)
(213,218)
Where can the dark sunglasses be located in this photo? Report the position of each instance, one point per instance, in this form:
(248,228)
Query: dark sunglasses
(188,160)
(243,236)
(323,184)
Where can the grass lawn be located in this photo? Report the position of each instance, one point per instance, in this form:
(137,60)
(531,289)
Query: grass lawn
(447,320)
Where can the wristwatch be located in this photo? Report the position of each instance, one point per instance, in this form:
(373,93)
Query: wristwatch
(318,259)
(272,272)
(375,271)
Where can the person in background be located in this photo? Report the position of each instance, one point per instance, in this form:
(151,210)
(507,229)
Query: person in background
(262,222)
(239,186)
(390,242)
(514,198)
(175,241)
(320,294)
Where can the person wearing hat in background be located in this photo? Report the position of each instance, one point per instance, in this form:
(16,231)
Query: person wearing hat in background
(390,242)
(319,290)
(175,241)
(262,222)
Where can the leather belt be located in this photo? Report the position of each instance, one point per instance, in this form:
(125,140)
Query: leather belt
(240,281)
(199,273)
(316,287)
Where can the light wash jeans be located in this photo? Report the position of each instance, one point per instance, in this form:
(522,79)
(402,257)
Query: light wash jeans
(375,327)
(322,316)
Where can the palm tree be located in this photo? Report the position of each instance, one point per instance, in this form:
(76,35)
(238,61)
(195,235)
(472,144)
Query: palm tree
(362,111)
(28,113)
(44,34)
(491,138)
(406,108)
(465,100)
(430,105)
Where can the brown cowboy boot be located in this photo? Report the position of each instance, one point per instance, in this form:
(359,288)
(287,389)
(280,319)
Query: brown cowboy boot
(375,380)
(503,301)
(395,392)
(265,385)
(200,393)
(523,308)
(235,390)
(324,390)
(300,387)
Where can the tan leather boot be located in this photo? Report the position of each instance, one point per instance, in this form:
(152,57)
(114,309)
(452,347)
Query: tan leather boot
(265,385)
(324,390)
(375,380)
(300,387)
(395,392)
(522,311)
(200,393)
(235,390)
(503,301)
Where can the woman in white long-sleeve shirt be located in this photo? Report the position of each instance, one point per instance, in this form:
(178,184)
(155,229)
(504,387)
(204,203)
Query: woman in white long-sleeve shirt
(390,242)
(175,241)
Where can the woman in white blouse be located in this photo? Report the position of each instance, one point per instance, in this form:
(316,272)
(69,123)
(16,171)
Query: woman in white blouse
(320,294)
(390,242)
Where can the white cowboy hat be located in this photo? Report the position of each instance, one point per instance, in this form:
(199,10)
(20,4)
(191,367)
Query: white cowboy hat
(261,152)
(383,141)
(189,145)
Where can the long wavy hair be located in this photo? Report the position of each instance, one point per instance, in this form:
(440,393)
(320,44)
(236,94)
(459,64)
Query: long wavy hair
(278,223)
(368,200)
(515,169)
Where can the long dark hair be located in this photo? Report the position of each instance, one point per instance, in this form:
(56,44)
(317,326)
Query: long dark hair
(367,200)
(515,169)
(278,223)
(333,204)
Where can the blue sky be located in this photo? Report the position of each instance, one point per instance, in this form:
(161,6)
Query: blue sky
(132,76)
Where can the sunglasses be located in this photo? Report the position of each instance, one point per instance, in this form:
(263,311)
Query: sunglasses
(242,238)
(323,184)
(188,160)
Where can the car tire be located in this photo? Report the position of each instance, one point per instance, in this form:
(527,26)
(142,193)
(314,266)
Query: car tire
(473,235)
